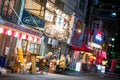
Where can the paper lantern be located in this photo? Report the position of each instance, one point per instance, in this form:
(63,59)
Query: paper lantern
(35,39)
(1,30)
(23,36)
(9,32)
(30,38)
(20,36)
(5,31)
(38,39)
(27,37)
(15,34)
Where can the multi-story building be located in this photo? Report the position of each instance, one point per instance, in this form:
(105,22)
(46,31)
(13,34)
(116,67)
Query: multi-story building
(77,23)
(16,39)
(21,25)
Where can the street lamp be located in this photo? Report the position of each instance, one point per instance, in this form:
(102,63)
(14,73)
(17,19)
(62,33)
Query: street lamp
(77,32)
(113,39)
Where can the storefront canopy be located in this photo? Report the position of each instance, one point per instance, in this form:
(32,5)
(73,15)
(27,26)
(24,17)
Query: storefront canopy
(84,47)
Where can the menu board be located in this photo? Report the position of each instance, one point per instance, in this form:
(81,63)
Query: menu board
(31,47)
(24,45)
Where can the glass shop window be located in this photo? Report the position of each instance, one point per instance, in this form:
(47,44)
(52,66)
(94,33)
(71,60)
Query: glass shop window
(31,47)
(50,6)
(24,45)
(36,8)
(49,16)
(82,5)
(7,10)
(34,48)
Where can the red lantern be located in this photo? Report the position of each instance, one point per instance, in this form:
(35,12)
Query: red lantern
(20,36)
(5,31)
(15,34)
(38,39)
(9,32)
(27,37)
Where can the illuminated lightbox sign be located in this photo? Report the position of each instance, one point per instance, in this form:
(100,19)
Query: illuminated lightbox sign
(98,36)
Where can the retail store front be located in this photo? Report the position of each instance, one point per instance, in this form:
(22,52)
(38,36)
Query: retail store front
(17,43)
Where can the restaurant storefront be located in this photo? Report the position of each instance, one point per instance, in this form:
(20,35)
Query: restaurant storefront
(17,43)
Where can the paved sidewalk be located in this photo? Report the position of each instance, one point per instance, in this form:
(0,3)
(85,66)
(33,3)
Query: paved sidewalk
(70,76)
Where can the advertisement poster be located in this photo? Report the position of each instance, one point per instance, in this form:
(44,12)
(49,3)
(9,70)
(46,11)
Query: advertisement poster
(77,33)
(98,36)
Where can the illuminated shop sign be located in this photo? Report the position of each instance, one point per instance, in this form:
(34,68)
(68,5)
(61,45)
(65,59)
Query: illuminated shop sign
(59,21)
(98,36)
(77,33)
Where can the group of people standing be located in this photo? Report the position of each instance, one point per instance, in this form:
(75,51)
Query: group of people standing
(62,61)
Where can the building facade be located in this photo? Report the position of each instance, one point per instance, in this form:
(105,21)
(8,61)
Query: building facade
(17,41)
(21,26)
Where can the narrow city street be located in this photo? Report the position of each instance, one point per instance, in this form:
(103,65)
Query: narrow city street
(63,39)
(73,76)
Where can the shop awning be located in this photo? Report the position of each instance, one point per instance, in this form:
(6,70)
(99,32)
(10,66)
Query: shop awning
(83,47)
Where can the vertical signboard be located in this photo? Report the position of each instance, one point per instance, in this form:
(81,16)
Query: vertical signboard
(77,32)
(98,36)
(20,52)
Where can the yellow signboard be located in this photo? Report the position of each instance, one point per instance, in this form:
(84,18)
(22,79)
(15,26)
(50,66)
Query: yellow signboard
(20,52)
